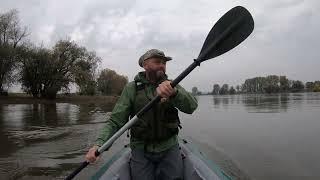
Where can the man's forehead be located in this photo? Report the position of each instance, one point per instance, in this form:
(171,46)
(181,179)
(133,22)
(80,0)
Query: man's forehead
(156,59)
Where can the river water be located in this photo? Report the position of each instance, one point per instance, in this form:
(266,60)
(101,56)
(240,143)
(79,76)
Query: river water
(249,136)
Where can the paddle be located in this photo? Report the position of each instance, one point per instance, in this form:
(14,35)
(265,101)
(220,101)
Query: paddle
(230,30)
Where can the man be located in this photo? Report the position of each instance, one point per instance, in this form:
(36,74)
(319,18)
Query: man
(154,143)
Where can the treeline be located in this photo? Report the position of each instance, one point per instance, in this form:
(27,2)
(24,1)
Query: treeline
(268,84)
(44,72)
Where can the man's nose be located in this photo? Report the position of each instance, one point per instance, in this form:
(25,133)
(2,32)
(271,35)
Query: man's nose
(163,66)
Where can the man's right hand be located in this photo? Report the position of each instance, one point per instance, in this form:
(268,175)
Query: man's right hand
(90,156)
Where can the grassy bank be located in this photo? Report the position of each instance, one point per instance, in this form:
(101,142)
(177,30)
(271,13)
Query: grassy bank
(19,98)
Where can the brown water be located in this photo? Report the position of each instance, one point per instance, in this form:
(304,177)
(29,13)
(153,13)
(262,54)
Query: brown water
(261,136)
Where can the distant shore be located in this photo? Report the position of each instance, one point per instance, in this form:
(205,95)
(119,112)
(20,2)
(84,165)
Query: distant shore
(19,98)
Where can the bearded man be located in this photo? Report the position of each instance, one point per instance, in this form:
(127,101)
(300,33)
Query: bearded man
(155,153)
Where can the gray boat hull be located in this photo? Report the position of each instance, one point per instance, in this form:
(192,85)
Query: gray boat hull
(196,165)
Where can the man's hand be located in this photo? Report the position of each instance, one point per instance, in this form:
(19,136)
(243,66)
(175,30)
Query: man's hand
(90,156)
(165,90)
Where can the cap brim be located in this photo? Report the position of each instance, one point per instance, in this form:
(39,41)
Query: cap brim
(167,58)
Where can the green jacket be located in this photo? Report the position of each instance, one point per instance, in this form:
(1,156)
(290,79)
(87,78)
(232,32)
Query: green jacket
(183,101)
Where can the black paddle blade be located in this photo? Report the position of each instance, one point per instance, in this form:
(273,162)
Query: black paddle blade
(230,30)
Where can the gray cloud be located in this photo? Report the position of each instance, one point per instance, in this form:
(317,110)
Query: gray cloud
(284,42)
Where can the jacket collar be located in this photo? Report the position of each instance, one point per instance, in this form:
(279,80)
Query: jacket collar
(141,77)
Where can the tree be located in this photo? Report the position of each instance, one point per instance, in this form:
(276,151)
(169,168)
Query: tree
(238,88)
(11,36)
(7,64)
(309,86)
(45,72)
(232,90)
(297,86)
(254,85)
(224,89)
(272,84)
(316,87)
(35,68)
(195,91)
(284,84)
(111,83)
(216,89)
(84,73)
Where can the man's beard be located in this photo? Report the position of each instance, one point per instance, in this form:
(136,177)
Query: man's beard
(156,76)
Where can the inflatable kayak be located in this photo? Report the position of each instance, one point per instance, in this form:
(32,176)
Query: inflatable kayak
(196,165)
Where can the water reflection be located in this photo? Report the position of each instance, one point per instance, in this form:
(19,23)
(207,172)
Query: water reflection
(43,115)
(48,137)
(7,145)
(274,103)
(24,124)
(221,100)
(24,116)
(54,137)
(258,103)
(272,136)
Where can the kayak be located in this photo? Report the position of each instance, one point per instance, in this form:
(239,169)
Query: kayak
(195,165)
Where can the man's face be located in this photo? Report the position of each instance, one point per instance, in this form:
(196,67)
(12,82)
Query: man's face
(156,67)
(155,64)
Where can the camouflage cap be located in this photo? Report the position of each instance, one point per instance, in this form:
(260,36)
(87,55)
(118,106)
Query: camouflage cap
(153,53)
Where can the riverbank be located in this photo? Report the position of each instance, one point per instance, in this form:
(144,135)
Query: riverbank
(17,98)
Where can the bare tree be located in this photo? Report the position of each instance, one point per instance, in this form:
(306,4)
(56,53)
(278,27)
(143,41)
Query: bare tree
(11,36)
(45,72)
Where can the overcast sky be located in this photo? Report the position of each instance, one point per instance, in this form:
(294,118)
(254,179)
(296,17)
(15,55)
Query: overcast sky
(285,40)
